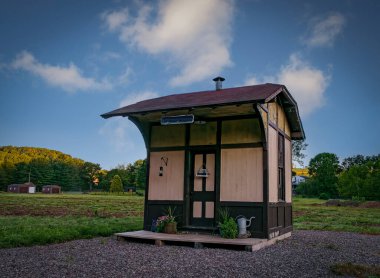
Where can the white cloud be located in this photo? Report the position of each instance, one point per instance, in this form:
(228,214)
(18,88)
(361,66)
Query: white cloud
(114,19)
(306,83)
(109,55)
(121,133)
(125,76)
(136,97)
(195,35)
(69,78)
(116,132)
(325,30)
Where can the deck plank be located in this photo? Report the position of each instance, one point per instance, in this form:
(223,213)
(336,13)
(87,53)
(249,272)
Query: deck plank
(250,244)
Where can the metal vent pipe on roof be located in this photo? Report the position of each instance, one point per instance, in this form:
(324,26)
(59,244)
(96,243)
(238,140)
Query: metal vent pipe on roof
(218,82)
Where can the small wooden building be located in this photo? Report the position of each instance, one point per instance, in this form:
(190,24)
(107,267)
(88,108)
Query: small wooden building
(27,187)
(225,148)
(51,189)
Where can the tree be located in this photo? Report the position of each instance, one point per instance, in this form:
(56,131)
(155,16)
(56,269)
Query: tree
(361,180)
(348,162)
(323,170)
(140,173)
(89,172)
(298,146)
(116,184)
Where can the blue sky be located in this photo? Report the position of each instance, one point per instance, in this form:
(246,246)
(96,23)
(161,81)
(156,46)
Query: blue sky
(63,63)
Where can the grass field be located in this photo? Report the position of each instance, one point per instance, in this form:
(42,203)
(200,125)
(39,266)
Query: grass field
(30,219)
(313,214)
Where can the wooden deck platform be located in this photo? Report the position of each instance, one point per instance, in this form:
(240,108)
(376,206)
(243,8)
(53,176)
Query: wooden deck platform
(200,240)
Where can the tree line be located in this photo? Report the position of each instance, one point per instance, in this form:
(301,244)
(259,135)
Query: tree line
(357,177)
(44,167)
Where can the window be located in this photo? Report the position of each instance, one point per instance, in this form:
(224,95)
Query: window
(281,172)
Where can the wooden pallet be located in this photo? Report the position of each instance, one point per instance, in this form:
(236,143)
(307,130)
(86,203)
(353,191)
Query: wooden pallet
(200,240)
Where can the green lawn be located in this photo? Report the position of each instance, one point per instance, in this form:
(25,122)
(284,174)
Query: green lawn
(30,219)
(313,214)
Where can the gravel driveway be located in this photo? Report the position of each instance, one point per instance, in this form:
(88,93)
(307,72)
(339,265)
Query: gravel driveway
(305,254)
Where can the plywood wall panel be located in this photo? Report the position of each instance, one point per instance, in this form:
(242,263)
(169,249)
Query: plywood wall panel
(242,175)
(281,118)
(198,161)
(197,209)
(272,108)
(241,131)
(203,134)
(168,136)
(170,185)
(288,171)
(210,164)
(287,128)
(209,210)
(273,164)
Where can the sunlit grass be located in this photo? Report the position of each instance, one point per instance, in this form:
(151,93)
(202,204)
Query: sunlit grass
(30,219)
(313,214)
(28,230)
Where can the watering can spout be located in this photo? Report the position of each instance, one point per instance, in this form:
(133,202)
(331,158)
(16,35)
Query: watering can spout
(249,221)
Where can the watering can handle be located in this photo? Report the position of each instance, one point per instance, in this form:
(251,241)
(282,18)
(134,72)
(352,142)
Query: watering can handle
(250,219)
(239,216)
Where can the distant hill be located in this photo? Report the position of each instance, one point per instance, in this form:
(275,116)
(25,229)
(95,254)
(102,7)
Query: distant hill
(44,166)
(26,154)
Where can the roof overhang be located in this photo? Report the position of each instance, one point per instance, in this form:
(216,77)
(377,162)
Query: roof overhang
(215,104)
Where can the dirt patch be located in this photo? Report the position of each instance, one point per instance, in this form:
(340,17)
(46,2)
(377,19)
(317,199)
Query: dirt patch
(370,204)
(315,205)
(63,211)
(298,213)
(350,203)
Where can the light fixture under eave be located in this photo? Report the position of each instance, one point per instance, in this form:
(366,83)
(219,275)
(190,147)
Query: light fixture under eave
(177,120)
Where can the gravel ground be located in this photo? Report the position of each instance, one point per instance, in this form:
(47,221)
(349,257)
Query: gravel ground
(305,254)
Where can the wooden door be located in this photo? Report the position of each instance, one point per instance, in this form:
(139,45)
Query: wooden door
(202,191)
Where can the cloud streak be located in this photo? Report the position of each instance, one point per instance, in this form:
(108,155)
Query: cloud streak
(325,30)
(193,36)
(120,132)
(69,79)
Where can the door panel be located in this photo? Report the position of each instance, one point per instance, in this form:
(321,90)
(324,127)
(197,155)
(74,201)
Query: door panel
(210,181)
(202,193)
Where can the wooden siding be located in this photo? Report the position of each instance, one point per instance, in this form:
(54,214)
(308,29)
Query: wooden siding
(278,117)
(169,186)
(281,118)
(242,175)
(197,209)
(210,181)
(272,108)
(288,171)
(287,128)
(198,161)
(209,210)
(203,134)
(168,136)
(273,164)
(241,131)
